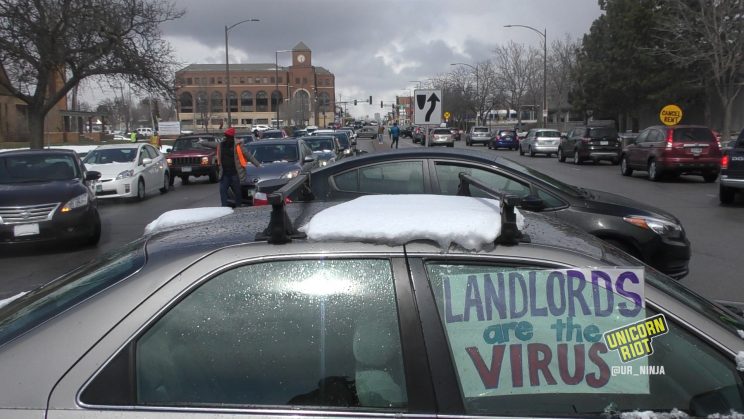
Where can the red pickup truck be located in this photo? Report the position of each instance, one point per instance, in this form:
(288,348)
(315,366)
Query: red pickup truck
(193,155)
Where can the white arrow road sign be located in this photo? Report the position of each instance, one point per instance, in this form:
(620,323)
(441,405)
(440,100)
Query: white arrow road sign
(427,107)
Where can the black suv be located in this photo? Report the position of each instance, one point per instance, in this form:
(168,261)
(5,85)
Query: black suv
(591,143)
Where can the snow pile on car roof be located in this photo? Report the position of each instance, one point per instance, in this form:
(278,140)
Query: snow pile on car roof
(472,223)
(186,216)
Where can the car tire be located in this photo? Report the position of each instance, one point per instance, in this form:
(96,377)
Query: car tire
(95,235)
(654,174)
(625,170)
(185,180)
(576,158)
(521,152)
(166,184)
(726,195)
(615,161)
(172,178)
(532,152)
(213,176)
(710,177)
(561,156)
(141,191)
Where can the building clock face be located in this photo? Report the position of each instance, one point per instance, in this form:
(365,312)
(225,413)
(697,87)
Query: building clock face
(301,58)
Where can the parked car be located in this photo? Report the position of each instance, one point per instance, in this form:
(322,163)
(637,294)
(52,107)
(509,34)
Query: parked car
(244,137)
(144,132)
(651,234)
(441,136)
(732,171)
(504,139)
(219,318)
(406,131)
(47,195)
(346,146)
(280,159)
(195,155)
(456,134)
(478,135)
(676,150)
(324,147)
(310,129)
(128,170)
(350,131)
(273,134)
(594,143)
(367,132)
(419,135)
(540,141)
(260,127)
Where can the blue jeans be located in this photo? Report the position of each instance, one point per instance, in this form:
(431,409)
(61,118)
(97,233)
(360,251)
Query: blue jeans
(395,142)
(230,181)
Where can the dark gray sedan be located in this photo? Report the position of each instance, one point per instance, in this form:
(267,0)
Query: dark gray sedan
(280,159)
(324,148)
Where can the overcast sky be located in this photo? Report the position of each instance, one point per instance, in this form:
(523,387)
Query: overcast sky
(374,47)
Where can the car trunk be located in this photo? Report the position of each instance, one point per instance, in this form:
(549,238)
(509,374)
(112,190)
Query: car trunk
(692,142)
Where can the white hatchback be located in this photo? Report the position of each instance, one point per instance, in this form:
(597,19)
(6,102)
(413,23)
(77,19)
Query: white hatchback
(128,170)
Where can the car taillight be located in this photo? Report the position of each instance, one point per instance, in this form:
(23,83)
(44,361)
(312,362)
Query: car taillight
(670,139)
(260,198)
(724,162)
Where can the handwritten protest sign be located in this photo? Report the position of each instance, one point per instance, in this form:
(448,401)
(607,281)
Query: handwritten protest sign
(541,331)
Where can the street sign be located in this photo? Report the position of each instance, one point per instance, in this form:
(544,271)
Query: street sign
(670,115)
(428,107)
(446,116)
(169,128)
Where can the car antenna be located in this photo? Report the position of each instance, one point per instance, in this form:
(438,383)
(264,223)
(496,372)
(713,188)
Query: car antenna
(510,233)
(280,229)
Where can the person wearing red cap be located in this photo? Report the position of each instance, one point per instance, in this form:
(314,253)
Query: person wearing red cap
(232,160)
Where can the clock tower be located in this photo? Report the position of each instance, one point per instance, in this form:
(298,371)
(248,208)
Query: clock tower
(301,56)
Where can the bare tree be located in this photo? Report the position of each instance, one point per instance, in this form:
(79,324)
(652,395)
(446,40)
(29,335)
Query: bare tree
(516,67)
(562,63)
(708,33)
(49,46)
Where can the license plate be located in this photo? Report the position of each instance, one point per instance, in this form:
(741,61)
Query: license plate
(25,230)
(604,143)
(99,188)
(696,150)
(186,169)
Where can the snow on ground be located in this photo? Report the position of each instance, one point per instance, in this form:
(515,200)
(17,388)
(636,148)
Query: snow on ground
(473,223)
(186,216)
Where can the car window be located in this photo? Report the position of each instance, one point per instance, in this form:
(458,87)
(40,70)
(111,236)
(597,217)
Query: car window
(320,143)
(404,177)
(442,131)
(699,134)
(37,168)
(642,137)
(449,180)
(194,143)
(111,155)
(270,153)
(543,342)
(480,129)
(286,333)
(550,200)
(601,132)
(548,134)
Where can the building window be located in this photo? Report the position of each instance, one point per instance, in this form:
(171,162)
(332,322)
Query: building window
(276,100)
(233,102)
(273,80)
(211,80)
(246,121)
(216,105)
(304,80)
(187,102)
(324,101)
(219,80)
(201,102)
(262,101)
(266,80)
(188,81)
(280,79)
(297,80)
(246,102)
(258,80)
(242,80)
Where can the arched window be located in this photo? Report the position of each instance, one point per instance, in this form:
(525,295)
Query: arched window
(276,100)
(216,105)
(232,102)
(202,102)
(324,101)
(262,101)
(246,102)
(303,99)
(187,102)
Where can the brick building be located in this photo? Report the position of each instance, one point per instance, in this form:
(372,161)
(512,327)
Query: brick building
(301,94)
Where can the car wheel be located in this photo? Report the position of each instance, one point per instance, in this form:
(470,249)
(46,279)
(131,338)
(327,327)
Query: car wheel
(615,161)
(213,176)
(654,174)
(532,153)
(561,156)
(95,235)
(185,180)
(166,184)
(576,158)
(710,177)
(521,152)
(624,169)
(726,195)
(141,192)
(172,178)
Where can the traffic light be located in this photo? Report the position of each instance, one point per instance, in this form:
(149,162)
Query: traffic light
(370,100)
(393,106)
(354,102)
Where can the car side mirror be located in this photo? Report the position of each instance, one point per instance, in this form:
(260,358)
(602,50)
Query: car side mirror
(309,159)
(168,149)
(353,142)
(92,175)
(146,161)
(532,203)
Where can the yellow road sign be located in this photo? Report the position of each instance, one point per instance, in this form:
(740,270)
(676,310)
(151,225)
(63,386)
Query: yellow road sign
(446,115)
(670,115)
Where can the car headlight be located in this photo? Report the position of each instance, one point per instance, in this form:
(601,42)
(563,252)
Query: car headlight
(347,151)
(76,202)
(169,161)
(290,175)
(205,161)
(125,174)
(324,163)
(661,227)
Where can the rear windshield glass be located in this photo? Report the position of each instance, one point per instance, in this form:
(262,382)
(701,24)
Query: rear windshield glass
(602,132)
(548,134)
(479,129)
(49,300)
(442,131)
(507,133)
(694,134)
(272,134)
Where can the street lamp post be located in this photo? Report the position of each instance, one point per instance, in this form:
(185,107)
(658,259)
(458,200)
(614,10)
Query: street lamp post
(227,68)
(276,79)
(544,34)
(477,98)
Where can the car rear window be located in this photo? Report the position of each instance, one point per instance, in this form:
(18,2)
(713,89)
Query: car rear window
(693,134)
(442,131)
(508,133)
(548,134)
(602,132)
(479,129)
